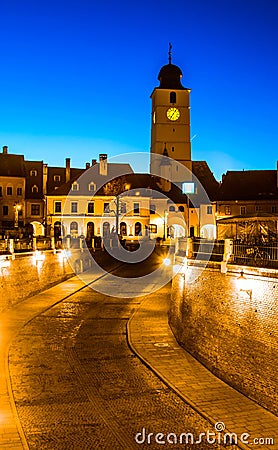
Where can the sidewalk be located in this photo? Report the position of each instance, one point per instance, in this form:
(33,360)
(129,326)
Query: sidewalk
(11,321)
(151,338)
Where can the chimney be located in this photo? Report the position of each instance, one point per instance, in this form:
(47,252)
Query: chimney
(67,169)
(103,164)
(5,149)
(94,161)
(87,165)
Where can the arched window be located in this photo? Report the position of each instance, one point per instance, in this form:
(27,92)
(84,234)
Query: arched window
(138,228)
(181,208)
(171,208)
(123,229)
(35,188)
(173,97)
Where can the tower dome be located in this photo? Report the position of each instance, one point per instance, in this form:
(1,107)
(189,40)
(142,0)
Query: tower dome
(170,77)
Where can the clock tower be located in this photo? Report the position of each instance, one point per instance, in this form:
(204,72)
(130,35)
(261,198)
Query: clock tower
(170,127)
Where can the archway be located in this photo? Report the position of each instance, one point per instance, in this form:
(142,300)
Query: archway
(208,231)
(123,229)
(90,230)
(38,228)
(74,229)
(138,228)
(106,229)
(57,230)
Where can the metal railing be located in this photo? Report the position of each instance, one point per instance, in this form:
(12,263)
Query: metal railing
(264,255)
(207,249)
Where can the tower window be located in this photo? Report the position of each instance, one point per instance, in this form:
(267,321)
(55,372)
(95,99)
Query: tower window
(173,97)
(173,149)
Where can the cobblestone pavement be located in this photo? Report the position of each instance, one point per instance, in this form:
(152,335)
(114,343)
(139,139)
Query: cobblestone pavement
(77,385)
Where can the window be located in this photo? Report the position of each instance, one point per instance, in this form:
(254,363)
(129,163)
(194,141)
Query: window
(74,206)
(92,186)
(257,208)
(74,228)
(188,187)
(136,208)
(75,186)
(123,208)
(243,210)
(19,191)
(1,191)
(173,97)
(35,209)
(33,173)
(152,209)
(5,210)
(35,188)
(57,178)
(9,190)
(57,207)
(91,208)
(106,207)
(152,228)
(171,208)
(227,209)
(209,209)
(273,209)
(181,208)
(173,149)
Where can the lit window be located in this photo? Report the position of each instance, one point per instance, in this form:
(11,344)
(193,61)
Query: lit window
(19,191)
(227,209)
(74,206)
(33,173)
(9,190)
(209,209)
(35,188)
(57,207)
(152,228)
(188,187)
(242,210)
(75,186)
(91,208)
(57,178)
(35,210)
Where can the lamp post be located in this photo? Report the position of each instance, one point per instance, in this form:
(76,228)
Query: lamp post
(17,208)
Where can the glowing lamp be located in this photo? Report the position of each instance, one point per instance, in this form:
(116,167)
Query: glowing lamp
(243,284)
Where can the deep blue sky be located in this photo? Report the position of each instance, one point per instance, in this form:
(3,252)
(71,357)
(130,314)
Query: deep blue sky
(76,77)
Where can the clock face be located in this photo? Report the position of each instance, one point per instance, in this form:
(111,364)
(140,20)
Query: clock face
(173,113)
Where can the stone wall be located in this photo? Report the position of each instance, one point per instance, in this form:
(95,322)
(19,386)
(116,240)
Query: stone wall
(233,335)
(25,277)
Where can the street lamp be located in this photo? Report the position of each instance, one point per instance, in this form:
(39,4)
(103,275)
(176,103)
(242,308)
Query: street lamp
(244,284)
(17,208)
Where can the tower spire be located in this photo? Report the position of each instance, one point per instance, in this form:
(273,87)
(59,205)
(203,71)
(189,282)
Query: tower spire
(170,53)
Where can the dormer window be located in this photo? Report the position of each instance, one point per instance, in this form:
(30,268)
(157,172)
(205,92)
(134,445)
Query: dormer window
(33,173)
(57,178)
(35,188)
(75,186)
(92,186)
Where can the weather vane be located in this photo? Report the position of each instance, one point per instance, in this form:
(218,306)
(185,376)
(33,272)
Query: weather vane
(170,53)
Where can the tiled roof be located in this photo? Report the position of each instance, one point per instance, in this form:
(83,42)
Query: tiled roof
(249,185)
(11,165)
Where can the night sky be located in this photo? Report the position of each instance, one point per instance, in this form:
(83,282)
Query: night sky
(76,77)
